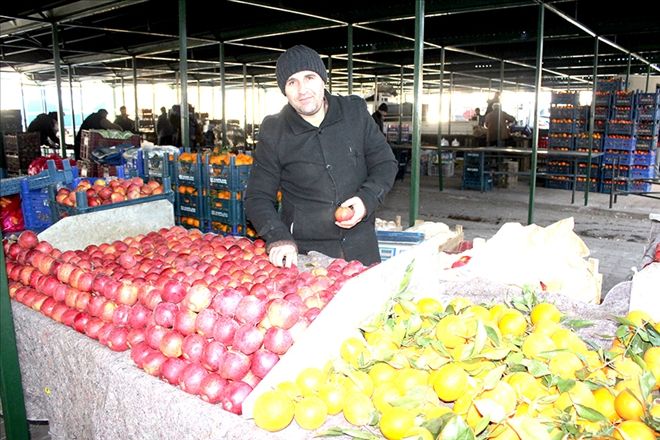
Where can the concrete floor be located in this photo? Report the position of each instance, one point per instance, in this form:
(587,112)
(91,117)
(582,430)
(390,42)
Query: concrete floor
(616,236)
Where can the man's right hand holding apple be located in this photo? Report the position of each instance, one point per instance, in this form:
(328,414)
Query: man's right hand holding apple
(350,213)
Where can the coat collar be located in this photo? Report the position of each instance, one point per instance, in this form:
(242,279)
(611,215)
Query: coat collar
(298,125)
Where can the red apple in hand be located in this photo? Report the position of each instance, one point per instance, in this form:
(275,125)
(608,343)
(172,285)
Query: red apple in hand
(343,213)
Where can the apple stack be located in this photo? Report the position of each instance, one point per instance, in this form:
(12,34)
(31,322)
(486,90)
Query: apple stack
(204,312)
(98,192)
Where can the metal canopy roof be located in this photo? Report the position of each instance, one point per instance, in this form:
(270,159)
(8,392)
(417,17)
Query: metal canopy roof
(100,39)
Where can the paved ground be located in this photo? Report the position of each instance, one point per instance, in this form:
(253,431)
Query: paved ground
(616,237)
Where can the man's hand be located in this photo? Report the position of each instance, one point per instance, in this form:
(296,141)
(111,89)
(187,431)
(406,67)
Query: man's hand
(283,254)
(359,211)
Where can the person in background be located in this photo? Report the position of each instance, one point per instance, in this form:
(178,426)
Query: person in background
(379,117)
(122,119)
(494,100)
(164,128)
(478,117)
(46,126)
(323,152)
(493,120)
(95,121)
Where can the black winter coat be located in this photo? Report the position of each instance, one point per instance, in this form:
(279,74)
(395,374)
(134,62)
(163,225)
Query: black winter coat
(318,168)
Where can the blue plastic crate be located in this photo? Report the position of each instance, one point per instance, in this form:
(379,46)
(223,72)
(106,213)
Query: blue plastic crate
(647,142)
(649,113)
(644,157)
(602,112)
(35,205)
(604,99)
(647,128)
(581,183)
(559,167)
(648,99)
(627,144)
(561,142)
(226,210)
(639,186)
(558,183)
(595,169)
(623,113)
(585,143)
(42,180)
(625,98)
(563,127)
(621,157)
(642,172)
(622,185)
(608,171)
(565,98)
(626,128)
(609,85)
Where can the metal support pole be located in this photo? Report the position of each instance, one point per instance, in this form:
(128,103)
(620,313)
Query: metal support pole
(252,104)
(114,95)
(591,123)
(537,91)
(11,388)
(73,111)
(648,78)
(44,107)
(25,123)
(58,84)
(330,73)
(628,71)
(500,141)
(451,98)
(135,95)
(223,99)
(123,93)
(441,180)
(80,95)
(183,68)
(417,111)
(245,100)
(199,97)
(401,101)
(349,60)
(375,92)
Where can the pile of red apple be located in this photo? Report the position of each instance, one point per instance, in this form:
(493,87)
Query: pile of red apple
(207,313)
(113,191)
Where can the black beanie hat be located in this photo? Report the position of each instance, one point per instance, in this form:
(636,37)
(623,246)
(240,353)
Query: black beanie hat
(297,59)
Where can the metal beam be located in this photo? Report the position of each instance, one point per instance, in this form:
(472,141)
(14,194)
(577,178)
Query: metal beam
(135,95)
(417,113)
(537,113)
(591,124)
(349,48)
(183,69)
(58,82)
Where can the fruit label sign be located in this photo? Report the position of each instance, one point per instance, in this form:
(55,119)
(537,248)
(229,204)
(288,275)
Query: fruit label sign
(219,180)
(189,209)
(220,214)
(184,177)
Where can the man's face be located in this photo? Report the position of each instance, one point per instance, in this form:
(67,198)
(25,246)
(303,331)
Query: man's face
(305,91)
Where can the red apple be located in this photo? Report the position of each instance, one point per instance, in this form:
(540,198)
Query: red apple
(262,362)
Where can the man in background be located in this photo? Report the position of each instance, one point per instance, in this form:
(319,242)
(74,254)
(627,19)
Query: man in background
(497,125)
(46,126)
(122,119)
(95,121)
(164,128)
(379,117)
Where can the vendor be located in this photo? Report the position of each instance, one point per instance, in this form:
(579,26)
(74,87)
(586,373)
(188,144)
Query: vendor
(95,121)
(322,151)
(46,126)
(497,125)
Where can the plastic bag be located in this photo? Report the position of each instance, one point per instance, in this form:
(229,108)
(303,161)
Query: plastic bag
(11,214)
(110,155)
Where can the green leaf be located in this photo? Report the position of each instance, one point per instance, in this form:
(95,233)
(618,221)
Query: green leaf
(515,357)
(622,331)
(576,324)
(356,433)
(588,413)
(457,429)
(654,335)
(536,368)
(492,335)
(646,383)
(493,377)
(479,339)
(435,425)
(495,354)
(564,385)
(405,281)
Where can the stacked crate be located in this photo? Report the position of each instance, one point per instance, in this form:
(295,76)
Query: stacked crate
(20,150)
(568,132)
(189,190)
(226,179)
(475,176)
(645,154)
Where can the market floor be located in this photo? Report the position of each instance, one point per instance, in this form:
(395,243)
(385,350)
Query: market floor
(617,237)
(38,430)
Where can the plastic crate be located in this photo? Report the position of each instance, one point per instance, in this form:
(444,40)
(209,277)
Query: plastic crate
(648,99)
(476,184)
(619,156)
(647,128)
(581,183)
(90,140)
(608,171)
(623,113)
(639,186)
(647,142)
(602,112)
(620,143)
(649,113)
(609,85)
(558,183)
(567,142)
(559,167)
(604,99)
(565,98)
(23,143)
(563,127)
(35,205)
(644,157)
(600,125)
(582,169)
(59,211)
(642,172)
(230,177)
(625,98)
(41,180)
(618,126)
(585,143)
(623,185)
(226,207)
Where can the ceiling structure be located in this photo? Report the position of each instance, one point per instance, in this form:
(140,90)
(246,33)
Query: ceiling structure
(483,40)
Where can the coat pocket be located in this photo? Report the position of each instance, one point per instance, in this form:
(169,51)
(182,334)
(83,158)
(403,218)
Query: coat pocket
(315,222)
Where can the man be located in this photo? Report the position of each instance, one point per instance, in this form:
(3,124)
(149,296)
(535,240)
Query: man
(164,128)
(379,116)
(322,151)
(46,126)
(95,121)
(497,126)
(477,116)
(122,119)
